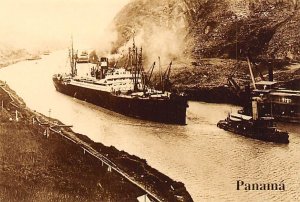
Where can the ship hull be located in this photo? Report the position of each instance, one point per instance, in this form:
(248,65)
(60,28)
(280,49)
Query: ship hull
(255,133)
(172,111)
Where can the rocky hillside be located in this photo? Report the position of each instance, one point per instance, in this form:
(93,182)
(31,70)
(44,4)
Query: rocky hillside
(262,29)
(188,32)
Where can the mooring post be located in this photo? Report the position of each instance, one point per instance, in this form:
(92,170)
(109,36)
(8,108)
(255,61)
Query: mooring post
(33,121)
(48,132)
(17,118)
(83,151)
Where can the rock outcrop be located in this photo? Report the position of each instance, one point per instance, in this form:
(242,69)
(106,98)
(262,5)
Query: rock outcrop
(263,29)
(189,31)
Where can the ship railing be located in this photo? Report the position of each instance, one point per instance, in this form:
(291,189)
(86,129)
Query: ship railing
(267,118)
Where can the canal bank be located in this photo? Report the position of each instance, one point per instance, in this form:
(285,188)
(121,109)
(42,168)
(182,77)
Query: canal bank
(42,159)
(208,160)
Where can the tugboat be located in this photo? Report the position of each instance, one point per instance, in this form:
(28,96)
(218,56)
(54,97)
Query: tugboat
(261,128)
(124,90)
(47,52)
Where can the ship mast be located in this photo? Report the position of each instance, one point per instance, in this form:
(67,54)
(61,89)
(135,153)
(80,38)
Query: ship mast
(160,75)
(141,71)
(129,62)
(135,63)
(72,62)
(166,77)
(133,53)
(135,69)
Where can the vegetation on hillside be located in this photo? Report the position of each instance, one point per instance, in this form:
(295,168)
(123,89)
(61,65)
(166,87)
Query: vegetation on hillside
(188,32)
(261,29)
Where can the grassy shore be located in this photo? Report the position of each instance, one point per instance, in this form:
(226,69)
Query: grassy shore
(36,168)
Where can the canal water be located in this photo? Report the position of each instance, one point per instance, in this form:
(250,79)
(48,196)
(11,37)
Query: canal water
(208,160)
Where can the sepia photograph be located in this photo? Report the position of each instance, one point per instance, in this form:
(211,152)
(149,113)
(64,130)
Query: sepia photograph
(150,100)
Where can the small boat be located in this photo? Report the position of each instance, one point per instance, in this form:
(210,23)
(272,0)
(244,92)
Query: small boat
(47,52)
(261,128)
(34,57)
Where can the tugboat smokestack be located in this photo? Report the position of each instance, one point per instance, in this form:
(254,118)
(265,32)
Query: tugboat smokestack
(270,73)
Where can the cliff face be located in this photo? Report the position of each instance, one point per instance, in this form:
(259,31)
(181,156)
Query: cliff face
(262,29)
(158,26)
(190,31)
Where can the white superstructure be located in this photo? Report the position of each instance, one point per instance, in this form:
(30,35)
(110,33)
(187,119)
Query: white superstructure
(115,80)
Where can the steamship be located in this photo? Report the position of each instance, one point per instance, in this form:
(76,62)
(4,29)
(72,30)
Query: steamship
(124,90)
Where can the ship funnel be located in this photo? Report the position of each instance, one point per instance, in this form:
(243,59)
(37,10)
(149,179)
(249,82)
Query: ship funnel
(104,62)
(270,69)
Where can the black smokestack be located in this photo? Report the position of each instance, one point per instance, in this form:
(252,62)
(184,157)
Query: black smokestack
(270,73)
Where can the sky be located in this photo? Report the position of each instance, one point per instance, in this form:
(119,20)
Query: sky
(49,24)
